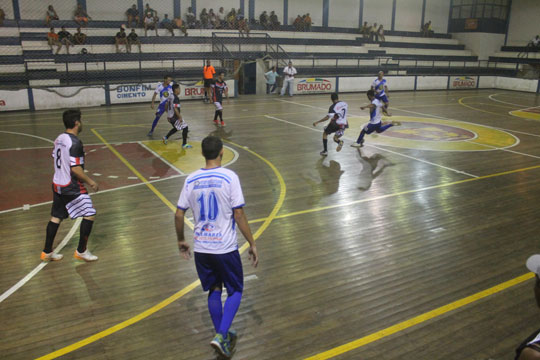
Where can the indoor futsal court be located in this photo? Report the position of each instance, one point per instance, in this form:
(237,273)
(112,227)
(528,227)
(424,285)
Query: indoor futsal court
(411,247)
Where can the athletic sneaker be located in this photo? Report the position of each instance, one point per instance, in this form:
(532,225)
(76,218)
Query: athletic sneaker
(222,346)
(51,256)
(223,124)
(338,149)
(216,122)
(165,140)
(396,123)
(357,145)
(86,256)
(150,133)
(187,146)
(324,153)
(231,338)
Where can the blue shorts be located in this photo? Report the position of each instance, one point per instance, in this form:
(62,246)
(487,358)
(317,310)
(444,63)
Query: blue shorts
(161,109)
(220,270)
(383,98)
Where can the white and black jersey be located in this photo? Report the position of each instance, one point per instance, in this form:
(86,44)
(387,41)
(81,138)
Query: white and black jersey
(338,113)
(68,152)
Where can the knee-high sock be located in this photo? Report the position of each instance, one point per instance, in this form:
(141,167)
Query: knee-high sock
(216,114)
(229,311)
(184,135)
(215,308)
(325,144)
(86,228)
(361,137)
(171,133)
(154,124)
(383,128)
(52,228)
(221,115)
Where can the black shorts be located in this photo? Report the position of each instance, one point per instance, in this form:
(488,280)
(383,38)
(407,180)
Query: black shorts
(333,127)
(207,83)
(72,206)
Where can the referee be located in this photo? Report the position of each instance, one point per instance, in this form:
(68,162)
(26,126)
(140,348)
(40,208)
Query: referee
(208,77)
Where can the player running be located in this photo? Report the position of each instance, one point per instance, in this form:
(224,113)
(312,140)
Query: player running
(70,197)
(215,196)
(219,87)
(337,113)
(375,116)
(175,118)
(381,91)
(163,89)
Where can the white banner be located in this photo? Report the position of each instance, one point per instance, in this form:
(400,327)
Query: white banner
(463,82)
(314,85)
(14,100)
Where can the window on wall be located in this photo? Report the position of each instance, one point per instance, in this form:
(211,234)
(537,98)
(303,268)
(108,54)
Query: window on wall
(480,9)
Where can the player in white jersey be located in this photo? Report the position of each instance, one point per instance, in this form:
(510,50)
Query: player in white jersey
(215,196)
(175,118)
(70,197)
(163,89)
(375,119)
(337,114)
(381,91)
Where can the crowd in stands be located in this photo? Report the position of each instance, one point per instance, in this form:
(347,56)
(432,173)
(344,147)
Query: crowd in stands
(303,23)
(372,33)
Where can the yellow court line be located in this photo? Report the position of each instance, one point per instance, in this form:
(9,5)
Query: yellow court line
(420,318)
(460,101)
(190,287)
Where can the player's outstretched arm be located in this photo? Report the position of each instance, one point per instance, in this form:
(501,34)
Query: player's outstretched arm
(369,106)
(79,173)
(153,99)
(322,120)
(243,225)
(183,246)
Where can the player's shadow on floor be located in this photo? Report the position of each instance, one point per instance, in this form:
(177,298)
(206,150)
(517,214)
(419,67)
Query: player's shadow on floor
(372,167)
(221,133)
(326,182)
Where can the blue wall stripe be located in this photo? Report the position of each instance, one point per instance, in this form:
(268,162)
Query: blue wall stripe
(449,15)
(394,15)
(538,87)
(478,82)
(177,7)
(16,10)
(107,95)
(415,82)
(337,84)
(83,3)
(285,12)
(448,83)
(251,9)
(194,7)
(423,21)
(31,100)
(140,5)
(242,7)
(325,10)
(508,22)
(361,14)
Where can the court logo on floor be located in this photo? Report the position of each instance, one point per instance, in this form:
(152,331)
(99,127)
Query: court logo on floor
(431,132)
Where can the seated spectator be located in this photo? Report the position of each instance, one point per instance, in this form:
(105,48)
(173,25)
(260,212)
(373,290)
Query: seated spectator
(307,22)
(427,30)
(79,38)
(180,25)
(52,40)
(65,38)
(380,32)
(264,21)
(2,16)
(212,19)
(150,23)
(133,38)
(220,18)
(365,30)
(133,16)
(149,11)
(81,16)
(204,19)
(121,39)
(531,46)
(243,27)
(274,22)
(231,19)
(50,15)
(373,34)
(298,23)
(166,23)
(190,18)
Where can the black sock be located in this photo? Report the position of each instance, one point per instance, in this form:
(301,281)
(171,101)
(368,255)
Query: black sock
(184,136)
(52,228)
(325,144)
(171,133)
(361,137)
(221,115)
(86,228)
(216,114)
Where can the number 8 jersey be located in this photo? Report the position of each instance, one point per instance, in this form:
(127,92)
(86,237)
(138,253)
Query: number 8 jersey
(68,152)
(212,195)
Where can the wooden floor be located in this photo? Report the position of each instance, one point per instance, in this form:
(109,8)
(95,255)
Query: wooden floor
(427,214)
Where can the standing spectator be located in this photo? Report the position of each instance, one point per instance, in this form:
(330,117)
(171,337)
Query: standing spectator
(52,40)
(530,348)
(50,15)
(243,27)
(133,16)
(79,38)
(365,30)
(263,20)
(65,38)
(274,22)
(149,11)
(81,16)
(220,17)
(133,38)
(298,23)
(121,39)
(271,80)
(204,19)
(166,23)
(150,23)
(180,25)
(308,22)
(190,18)
(380,32)
(289,71)
(373,34)
(208,77)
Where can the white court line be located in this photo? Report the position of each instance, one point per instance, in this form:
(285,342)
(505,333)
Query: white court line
(161,158)
(100,192)
(30,135)
(492,97)
(38,268)
(379,148)
(48,147)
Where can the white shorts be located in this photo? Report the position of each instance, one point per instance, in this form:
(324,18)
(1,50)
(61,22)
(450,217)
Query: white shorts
(178,125)
(73,206)
(218,105)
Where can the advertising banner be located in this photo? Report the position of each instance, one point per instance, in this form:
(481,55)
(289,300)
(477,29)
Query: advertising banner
(14,100)
(463,82)
(314,85)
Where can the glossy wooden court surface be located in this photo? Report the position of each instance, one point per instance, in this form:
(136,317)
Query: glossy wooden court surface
(411,248)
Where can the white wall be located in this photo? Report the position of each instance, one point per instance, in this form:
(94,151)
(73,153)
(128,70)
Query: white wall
(87,97)
(212,4)
(408,15)
(36,9)
(7,6)
(344,13)
(483,45)
(300,7)
(268,6)
(437,11)
(161,6)
(113,11)
(524,18)
(379,11)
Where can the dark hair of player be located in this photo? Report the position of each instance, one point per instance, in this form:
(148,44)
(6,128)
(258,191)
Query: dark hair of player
(370,93)
(70,117)
(211,147)
(221,73)
(167,77)
(175,86)
(334,96)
